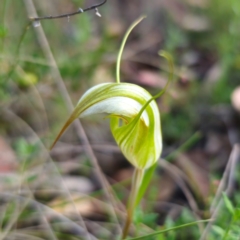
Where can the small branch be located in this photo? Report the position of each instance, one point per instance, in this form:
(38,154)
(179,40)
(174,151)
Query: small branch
(79,11)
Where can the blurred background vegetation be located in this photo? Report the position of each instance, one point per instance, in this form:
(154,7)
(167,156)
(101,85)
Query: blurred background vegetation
(59,195)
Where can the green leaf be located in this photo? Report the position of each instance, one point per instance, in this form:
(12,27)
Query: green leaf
(228,203)
(3,32)
(218,230)
(146,180)
(148,219)
(237,214)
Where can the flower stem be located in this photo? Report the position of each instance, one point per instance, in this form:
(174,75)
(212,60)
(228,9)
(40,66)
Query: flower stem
(136,183)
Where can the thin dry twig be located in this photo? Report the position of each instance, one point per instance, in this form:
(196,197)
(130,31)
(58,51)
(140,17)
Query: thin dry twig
(225,185)
(79,129)
(79,11)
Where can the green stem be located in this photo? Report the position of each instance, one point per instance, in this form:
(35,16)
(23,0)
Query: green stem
(225,237)
(169,229)
(15,64)
(3,25)
(136,183)
(122,47)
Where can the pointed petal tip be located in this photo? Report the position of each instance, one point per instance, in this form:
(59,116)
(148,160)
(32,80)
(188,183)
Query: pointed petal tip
(69,121)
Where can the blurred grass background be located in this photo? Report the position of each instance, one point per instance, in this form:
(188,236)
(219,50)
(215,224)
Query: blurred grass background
(60,196)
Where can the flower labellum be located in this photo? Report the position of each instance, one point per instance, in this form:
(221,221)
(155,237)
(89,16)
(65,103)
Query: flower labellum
(134,119)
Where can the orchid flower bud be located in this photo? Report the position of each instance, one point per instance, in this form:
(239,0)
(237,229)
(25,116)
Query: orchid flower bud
(136,132)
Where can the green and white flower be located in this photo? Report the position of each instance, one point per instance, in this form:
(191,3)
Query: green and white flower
(134,122)
(135,125)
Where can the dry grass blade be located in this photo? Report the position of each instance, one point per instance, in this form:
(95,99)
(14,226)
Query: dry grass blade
(79,129)
(179,176)
(225,185)
(49,213)
(17,211)
(27,129)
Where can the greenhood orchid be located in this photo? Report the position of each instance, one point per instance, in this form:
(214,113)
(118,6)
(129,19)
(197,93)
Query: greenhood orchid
(133,112)
(134,122)
(137,135)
